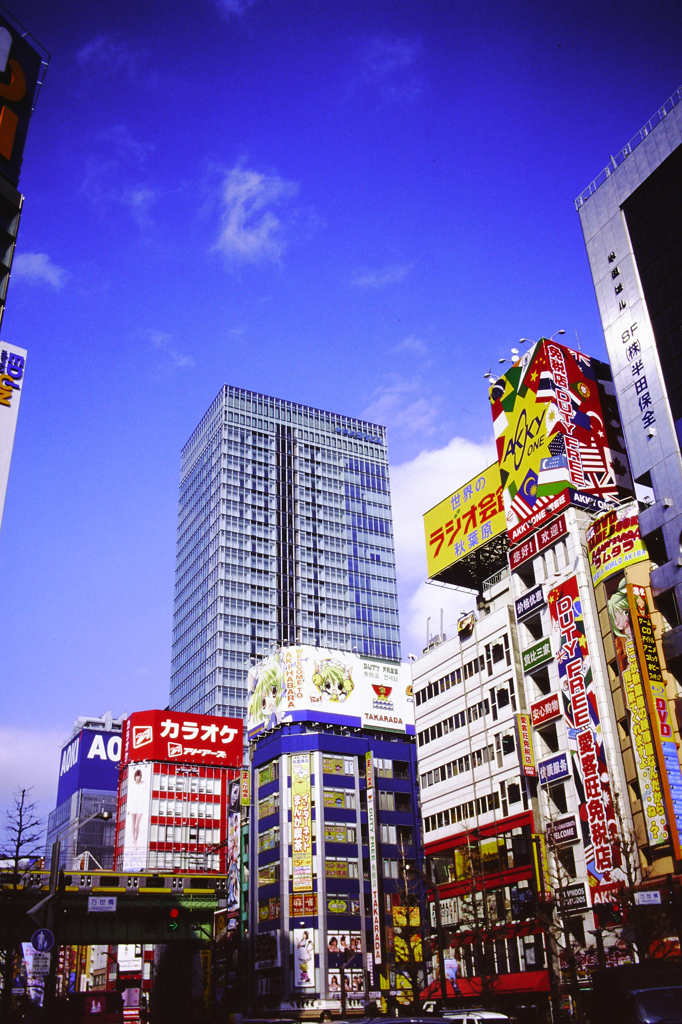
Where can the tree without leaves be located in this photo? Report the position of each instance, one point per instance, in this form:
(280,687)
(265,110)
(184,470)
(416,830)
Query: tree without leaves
(23,831)
(407,928)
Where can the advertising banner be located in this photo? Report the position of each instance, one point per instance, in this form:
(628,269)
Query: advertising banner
(530,602)
(12,369)
(659,711)
(301,823)
(556,427)
(553,769)
(573,899)
(138,807)
(464,521)
(233,864)
(538,542)
(302,905)
(614,542)
(562,832)
(89,761)
(177,736)
(373,858)
(525,746)
(21,66)
(304,958)
(545,710)
(643,746)
(246,787)
(537,655)
(267,950)
(318,684)
(585,741)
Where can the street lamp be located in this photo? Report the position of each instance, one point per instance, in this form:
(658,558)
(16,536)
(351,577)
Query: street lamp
(76,826)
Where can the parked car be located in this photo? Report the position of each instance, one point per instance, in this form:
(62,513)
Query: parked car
(475,1016)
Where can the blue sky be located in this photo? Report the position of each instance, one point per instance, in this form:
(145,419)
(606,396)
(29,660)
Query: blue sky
(356,205)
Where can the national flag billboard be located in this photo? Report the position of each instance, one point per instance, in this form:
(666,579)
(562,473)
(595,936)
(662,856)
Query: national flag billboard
(557,427)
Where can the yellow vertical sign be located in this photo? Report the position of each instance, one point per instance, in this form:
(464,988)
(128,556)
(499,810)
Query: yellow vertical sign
(659,711)
(373,858)
(301,824)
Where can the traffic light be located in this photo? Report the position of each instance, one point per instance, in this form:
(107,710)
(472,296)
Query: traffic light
(173,915)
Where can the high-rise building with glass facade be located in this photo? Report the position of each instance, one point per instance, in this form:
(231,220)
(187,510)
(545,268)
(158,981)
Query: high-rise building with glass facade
(285,536)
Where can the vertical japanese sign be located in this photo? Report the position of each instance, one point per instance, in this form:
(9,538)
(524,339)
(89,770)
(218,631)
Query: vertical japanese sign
(586,746)
(640,726)
(301,824)
(234,818)
(525,746)
(373,858)
(246,787)
(12,367)
(659,710)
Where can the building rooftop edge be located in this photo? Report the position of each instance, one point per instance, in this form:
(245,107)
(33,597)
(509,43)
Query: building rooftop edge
(618,159)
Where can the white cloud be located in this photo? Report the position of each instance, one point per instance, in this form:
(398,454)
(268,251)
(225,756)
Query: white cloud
(38,268)
(250,231)
(416,486)
(29,759)
(414,345)
(380,278)
(162,342)
(403,406)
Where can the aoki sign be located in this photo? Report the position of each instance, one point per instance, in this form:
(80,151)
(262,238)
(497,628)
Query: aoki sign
(89,761)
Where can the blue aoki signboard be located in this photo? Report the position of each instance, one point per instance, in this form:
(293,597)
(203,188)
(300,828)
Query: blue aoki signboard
(89,761)
(554,769)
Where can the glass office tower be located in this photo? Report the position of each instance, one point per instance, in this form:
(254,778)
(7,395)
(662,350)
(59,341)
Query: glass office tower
(285,536)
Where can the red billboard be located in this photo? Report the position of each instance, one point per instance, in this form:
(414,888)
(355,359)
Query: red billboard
(176,736)
(545,710)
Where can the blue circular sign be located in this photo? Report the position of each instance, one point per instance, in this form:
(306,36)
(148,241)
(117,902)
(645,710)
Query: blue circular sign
(42,940)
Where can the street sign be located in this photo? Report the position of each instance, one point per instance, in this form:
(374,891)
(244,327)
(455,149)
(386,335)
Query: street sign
(42,940)
(41,963)
(101,904)
(648,899)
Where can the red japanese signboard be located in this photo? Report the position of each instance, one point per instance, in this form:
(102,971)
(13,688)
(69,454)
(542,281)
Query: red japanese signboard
(537,542)
(175,736)
(545,710)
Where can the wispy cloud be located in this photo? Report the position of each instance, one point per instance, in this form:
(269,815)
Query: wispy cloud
(250,231)
(416,486)
(381,278)
(232,8)
(105,53)
(163,343)
(113,172)
(38,268)
(413,345)
(387,65)
(405,406)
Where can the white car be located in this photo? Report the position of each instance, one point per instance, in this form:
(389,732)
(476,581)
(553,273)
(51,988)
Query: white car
(476,1017)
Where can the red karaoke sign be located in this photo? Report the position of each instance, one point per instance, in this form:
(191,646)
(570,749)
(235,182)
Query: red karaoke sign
(174,736)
